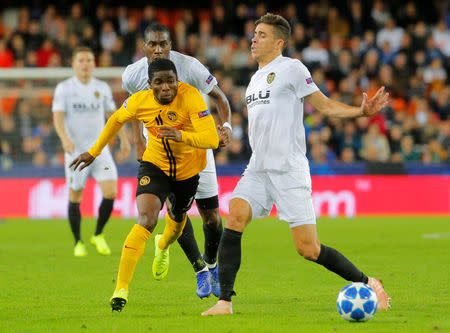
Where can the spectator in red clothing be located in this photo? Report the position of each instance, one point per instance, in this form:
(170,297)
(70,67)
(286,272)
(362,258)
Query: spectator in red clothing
(45,53)
(6,55)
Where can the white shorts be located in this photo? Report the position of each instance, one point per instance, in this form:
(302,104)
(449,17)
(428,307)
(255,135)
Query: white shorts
(289,191)
(103,168)
(207,184)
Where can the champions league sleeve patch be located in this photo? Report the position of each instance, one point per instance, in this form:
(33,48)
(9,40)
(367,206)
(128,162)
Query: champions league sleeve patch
(309,80)
(125,104)
(209,79)
(204,114)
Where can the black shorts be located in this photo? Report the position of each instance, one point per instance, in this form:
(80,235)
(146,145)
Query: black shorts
(153,180)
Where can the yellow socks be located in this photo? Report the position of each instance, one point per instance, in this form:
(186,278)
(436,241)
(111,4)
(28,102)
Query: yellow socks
(132,250)
(172,231)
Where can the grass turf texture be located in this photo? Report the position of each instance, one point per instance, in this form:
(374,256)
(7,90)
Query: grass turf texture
(44,288)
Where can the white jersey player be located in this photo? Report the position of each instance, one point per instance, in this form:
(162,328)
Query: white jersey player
(278,171)
(79,107)
(191,71)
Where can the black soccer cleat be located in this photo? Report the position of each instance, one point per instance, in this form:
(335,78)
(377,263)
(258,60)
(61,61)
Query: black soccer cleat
(117,304)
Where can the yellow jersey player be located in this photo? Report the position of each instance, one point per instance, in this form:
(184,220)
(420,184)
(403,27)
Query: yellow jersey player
(180,129)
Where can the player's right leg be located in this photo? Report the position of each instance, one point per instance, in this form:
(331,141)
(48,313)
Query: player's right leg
(75,181)
(151,192)
(230,254)
(249,199)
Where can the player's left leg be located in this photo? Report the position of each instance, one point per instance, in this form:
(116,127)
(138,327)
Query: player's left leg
(181,198)
(212,228)
(109,190)
(308,246)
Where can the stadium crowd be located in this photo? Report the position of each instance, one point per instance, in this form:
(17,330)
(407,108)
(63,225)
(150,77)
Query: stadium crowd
(349,47)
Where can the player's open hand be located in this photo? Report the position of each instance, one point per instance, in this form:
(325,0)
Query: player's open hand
(85,158)
(169,133)
(224,136)
(370,107)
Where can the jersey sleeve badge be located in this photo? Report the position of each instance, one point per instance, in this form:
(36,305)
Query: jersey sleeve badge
(204,113)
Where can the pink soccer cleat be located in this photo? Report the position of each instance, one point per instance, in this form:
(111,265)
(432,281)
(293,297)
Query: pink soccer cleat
(383,297)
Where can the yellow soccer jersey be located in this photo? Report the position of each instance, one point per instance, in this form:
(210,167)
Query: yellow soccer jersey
(187,112)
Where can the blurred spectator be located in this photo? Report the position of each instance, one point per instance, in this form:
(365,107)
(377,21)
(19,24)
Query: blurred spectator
(50,21)
(120,56)
(44,54)
(441,35)
(408,152)
(121,20)
(349,138)
(391,34)
(337,24)
(395,136)
(315,54)
(34,39)
(148,17)
(89,39)
(347,155)
(18,47)
(380,13)
(9,139)
(408,16)
(375,146)
(6,55)
(76,21)
(105,59)
(107,36)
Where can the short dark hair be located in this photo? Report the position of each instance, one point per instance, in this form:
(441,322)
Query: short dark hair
(156,27)
(281,26)
(161,64)
(79,49)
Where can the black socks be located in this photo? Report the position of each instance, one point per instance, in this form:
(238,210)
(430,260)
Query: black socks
(189,245)
(75,220)
(104,212)
(229,262)
(337,263)
(213,234)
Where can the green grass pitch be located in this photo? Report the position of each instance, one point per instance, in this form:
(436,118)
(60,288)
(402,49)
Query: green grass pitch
(43,288)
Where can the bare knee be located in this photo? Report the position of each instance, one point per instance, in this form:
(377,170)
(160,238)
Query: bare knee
(309,251)
(236,222)
(148,219)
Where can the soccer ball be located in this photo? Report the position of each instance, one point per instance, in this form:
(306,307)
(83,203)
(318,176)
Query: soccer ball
(357,302)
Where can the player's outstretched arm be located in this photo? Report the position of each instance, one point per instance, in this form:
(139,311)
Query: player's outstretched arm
(223,108)
(83,160)
(332,108)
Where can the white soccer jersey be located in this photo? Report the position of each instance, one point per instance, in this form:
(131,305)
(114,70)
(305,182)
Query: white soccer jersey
(84,106)
(190,71)
(274,100)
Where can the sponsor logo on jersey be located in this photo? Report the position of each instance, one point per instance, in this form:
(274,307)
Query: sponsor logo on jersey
(270,77)
(258,98)
(209,79)
(204,114)
(85,106)
(97,94)
(172,115)
(144,181)
(125,104)
(309,80)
